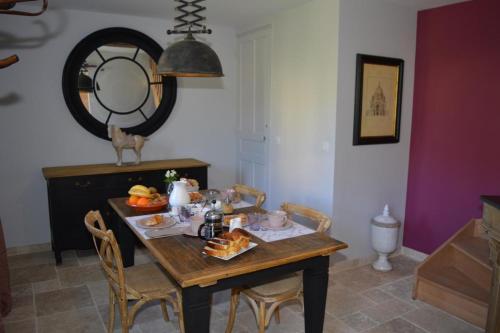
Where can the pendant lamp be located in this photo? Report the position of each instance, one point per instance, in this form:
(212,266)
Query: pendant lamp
(189,57)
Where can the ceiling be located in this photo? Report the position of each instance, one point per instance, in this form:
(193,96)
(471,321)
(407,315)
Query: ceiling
(235,13)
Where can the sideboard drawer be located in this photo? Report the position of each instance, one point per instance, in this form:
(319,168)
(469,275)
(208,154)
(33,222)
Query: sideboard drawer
(79,184)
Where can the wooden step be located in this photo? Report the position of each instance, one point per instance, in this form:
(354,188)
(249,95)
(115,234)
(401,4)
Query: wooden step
(476,248)
(458,283)
(453,302)
(457,276)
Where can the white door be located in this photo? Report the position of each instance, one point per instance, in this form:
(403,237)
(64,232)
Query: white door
(254,107)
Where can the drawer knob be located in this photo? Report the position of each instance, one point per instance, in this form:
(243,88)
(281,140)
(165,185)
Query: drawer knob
(131,180)
(83,185)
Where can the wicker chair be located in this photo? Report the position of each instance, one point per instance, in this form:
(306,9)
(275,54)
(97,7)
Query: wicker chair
(265,299)
(140,283)
(243,190)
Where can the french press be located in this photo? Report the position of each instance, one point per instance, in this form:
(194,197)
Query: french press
(212,226)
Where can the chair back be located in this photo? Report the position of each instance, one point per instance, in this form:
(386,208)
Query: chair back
(260,197)
(109,252)
(323,222)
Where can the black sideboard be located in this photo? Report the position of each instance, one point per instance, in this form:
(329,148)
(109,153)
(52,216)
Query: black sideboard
(74,190)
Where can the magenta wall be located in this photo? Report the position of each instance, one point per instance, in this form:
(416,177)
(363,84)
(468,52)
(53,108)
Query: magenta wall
(455,140)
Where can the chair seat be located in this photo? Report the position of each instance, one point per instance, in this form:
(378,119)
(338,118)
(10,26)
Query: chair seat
(289,284)
(150,280)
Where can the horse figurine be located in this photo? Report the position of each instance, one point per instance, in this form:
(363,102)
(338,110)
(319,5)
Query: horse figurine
(122,140)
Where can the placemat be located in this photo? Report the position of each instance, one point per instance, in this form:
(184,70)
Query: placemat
(177,229)
(275,235)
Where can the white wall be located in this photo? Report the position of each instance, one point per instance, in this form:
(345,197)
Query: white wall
(367,177)
(303,100)
(37,130)
(312,159)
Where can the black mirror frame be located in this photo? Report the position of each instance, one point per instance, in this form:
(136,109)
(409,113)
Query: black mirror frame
(72,69)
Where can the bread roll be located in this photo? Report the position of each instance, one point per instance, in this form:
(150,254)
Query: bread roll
(242,233)
(154,220)
(245,242)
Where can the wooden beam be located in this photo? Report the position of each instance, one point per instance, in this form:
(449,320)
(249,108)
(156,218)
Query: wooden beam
(4,63)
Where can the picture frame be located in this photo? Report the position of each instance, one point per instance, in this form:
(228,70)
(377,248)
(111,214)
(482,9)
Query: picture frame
(378,96)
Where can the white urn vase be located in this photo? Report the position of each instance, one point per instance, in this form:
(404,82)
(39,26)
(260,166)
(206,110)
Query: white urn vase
(385,231)
(179,195)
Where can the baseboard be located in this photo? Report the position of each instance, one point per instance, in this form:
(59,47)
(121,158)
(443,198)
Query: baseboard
(344,265)
(413,254)
(16,250)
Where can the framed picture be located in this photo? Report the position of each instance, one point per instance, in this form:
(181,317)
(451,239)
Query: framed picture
(377,106)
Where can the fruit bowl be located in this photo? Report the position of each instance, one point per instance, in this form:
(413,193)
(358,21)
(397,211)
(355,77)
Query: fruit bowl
(154,206)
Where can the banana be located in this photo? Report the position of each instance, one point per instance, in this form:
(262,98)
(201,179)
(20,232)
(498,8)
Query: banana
(140,191)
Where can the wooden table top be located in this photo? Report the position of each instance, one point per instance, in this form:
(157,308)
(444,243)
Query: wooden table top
(109,168)
(181,256)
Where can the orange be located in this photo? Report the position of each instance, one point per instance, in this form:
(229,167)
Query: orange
(133,200)
(143,202)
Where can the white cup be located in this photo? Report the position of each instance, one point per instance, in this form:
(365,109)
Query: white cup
(235,223)
(277,218)
(196,221)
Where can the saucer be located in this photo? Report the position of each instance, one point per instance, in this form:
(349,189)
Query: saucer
(287,225)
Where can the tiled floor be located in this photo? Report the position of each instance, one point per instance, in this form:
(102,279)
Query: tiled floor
(73,298)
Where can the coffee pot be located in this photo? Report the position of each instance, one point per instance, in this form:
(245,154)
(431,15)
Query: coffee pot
(212,226)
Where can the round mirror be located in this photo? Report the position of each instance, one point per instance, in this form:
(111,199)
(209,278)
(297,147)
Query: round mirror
(110,79)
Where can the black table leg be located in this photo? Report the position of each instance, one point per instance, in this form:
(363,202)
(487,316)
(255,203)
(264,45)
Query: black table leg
(127,246)
(315,292)
(58,256)
(196,309)
(126,239)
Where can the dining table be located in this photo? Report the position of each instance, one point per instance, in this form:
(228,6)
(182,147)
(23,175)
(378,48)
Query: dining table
(199,276)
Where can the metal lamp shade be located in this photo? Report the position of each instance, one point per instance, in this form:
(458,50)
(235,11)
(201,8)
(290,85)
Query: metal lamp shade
(85,83)
(189,58)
